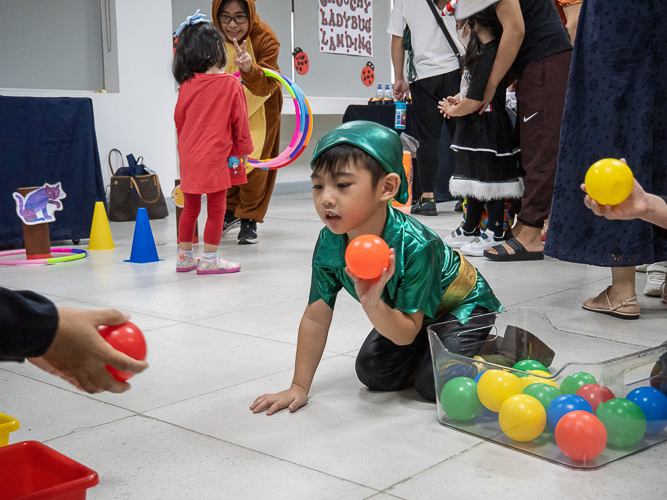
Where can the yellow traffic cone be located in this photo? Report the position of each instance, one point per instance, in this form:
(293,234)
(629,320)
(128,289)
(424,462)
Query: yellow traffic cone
(100,233)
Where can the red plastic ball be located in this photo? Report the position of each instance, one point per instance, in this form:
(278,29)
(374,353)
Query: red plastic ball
(366,256)
(595,394)
(128,339)
(581,435)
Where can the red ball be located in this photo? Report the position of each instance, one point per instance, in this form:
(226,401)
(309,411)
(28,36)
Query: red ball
(128,339)
(581,435)
(595,394)
(366,256)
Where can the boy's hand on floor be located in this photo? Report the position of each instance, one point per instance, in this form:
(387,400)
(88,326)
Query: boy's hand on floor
(370,291)
(293,398)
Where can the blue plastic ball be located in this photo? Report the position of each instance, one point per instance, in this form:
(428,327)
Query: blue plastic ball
(654,405)
(479,375)
(458,370)
(565,404)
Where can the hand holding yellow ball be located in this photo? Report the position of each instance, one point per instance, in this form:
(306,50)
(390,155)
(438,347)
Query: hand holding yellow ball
(609,181)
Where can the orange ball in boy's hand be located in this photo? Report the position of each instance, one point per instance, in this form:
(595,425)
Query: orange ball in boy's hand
(128,339)
(366,256)
(609,181)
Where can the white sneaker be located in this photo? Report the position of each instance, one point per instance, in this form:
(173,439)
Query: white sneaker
(477,246)
(642,269)
(457,238)
(655,277)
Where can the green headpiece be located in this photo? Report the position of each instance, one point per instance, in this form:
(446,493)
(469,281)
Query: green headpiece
(380,142)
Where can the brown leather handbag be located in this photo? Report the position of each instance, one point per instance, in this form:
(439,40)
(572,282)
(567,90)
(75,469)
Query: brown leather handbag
(129,193)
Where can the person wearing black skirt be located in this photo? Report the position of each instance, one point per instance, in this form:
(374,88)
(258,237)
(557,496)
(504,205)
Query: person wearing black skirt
(486,169)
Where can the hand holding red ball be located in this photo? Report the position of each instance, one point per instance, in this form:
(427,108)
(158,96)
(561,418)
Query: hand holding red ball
(128,339)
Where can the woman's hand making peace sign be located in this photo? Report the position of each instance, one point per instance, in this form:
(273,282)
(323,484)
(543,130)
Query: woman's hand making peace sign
(243,59)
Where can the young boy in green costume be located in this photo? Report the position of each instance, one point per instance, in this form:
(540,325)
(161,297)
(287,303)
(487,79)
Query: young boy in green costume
(357,170)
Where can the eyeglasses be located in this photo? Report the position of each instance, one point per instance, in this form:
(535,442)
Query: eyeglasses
(237,19)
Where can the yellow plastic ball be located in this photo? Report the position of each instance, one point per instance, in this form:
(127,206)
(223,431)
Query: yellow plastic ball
(522,417)
(609,181)
(495,386)
(537,377)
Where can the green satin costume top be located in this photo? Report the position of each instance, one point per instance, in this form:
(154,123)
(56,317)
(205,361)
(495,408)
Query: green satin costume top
(425,267)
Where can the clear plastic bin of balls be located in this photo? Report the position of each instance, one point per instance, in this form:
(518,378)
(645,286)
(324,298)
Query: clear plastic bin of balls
(570,398)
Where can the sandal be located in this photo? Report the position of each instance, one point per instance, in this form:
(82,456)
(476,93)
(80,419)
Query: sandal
(520,252)
(628,309)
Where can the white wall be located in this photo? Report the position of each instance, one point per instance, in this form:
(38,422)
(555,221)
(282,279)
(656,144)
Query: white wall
(138,119)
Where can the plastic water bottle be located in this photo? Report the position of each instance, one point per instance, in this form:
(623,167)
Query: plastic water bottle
(379,93)
(401,112)
(389,92)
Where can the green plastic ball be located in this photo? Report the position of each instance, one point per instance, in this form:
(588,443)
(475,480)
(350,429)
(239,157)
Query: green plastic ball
(624,420)
(459,399)
(544,393)
(529,364)
(573,382)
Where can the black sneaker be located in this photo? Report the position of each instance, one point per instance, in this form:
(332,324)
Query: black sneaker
(231,221)
(425,206)
(248,232)
(459,207)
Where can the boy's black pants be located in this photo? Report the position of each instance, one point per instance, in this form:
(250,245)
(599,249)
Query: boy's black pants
(384,366)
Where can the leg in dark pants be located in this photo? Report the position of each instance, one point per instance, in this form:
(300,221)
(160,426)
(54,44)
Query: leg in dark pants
(426,94)
(464,339)
(384,366)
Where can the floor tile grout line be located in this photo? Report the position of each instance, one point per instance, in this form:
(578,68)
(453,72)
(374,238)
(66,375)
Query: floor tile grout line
(456,455)
(83,429)
(376,491)
(230,387)
(71,389)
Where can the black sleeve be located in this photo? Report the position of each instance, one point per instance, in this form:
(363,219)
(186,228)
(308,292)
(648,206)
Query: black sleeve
(28,323)
(479,76)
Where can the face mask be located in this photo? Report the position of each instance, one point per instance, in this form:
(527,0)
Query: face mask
(464,40)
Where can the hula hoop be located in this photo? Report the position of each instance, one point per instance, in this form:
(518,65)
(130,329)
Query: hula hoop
(76,255)
(303,128)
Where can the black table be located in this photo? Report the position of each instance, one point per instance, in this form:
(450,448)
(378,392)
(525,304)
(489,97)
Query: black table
(384,114)
(49,140)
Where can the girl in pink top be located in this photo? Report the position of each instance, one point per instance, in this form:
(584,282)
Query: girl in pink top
(213,139)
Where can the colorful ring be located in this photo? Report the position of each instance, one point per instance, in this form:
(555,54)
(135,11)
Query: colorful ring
(303,128)
(76,255)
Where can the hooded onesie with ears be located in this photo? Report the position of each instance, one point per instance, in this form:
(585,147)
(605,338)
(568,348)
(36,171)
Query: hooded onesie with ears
(265,101)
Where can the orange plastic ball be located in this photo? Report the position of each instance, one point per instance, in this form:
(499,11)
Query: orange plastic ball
(366,256)
(609,181)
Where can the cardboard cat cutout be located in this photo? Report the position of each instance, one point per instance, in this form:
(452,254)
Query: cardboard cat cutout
(38,206)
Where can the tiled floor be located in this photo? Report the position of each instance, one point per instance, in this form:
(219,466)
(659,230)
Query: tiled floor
(216,342)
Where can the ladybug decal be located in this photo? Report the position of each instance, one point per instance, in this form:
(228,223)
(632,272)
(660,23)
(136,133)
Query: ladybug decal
(300,61)
(368,74)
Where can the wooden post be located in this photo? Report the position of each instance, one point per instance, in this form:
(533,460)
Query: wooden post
(36,238)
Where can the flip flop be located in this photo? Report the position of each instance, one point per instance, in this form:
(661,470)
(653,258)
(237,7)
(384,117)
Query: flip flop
(520,252)
(615,311)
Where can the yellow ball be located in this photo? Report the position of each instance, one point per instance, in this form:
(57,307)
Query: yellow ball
(537,378)
(522,417)
(609,181)
(495,386)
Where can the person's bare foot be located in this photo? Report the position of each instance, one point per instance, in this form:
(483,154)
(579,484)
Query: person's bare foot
(529,237)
